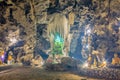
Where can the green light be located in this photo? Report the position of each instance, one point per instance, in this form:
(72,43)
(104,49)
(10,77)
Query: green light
(58,44)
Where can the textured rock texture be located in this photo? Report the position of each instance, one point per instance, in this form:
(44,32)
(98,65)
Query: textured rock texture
(26,21)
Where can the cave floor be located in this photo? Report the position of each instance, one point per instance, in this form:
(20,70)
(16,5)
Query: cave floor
(14,72)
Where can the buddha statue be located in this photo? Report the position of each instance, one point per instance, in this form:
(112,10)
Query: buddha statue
(115,59)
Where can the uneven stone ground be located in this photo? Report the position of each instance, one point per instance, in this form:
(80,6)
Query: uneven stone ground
(34,73)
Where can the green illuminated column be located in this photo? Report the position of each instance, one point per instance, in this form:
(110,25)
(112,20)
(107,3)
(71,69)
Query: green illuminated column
(58,45)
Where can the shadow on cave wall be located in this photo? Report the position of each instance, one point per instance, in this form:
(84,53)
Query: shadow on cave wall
(41,43)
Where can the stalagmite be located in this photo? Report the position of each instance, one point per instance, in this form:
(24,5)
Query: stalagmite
(58,24)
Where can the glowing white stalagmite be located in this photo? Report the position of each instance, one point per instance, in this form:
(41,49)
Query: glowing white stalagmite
(58,24)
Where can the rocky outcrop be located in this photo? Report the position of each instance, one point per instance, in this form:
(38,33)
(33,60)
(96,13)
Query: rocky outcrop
(28,21)
(19,32)
(66,64)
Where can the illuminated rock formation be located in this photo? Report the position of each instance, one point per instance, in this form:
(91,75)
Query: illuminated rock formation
(24,18)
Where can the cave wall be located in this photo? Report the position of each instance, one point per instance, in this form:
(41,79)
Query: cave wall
(16,19)
(18,15)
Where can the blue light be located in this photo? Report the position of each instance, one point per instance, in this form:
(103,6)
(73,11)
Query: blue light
(87,46)
(88,31)
(58,38)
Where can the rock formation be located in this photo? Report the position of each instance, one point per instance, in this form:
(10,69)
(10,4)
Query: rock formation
(27,20)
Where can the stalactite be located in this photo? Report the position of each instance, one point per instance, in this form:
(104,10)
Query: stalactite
(58,24)
(71,18)
(32,10)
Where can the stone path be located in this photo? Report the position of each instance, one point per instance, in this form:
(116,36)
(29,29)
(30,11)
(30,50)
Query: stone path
(35,73)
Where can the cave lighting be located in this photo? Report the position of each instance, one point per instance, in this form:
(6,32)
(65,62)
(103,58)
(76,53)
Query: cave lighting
(58,38)
(2,56)
(88,31)
(42,63)
(104,63)
(73,57)
(87,46)
(13,41)
(85,65)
